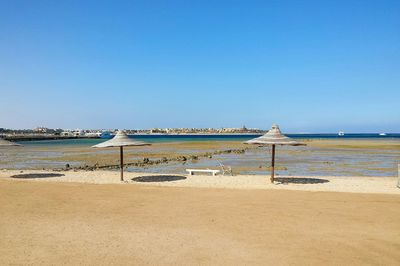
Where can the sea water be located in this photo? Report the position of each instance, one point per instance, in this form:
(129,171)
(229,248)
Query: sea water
(189,138)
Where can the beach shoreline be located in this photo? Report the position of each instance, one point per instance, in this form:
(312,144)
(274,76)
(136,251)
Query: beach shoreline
(348,184)
(319,158)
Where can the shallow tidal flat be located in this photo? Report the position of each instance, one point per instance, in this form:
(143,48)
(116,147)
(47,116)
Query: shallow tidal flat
(344,157)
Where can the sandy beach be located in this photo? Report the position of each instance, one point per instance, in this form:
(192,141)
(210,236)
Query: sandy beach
(353,184)
(73,223)
(159,215)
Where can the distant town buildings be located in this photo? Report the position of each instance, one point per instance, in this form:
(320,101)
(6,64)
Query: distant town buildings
(241,130)
(95,133)
(41,129)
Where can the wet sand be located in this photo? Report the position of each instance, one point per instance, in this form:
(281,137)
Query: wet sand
(52,223)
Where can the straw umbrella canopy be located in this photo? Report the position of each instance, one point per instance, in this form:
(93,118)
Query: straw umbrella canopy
(4,142)
(274,137)
(120,140)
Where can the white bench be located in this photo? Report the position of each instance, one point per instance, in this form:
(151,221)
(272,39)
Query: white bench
(213,172)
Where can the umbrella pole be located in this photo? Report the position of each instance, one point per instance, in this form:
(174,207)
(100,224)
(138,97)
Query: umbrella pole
(121,149)
(273,164)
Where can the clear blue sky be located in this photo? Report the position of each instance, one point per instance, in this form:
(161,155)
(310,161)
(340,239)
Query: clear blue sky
(310,66)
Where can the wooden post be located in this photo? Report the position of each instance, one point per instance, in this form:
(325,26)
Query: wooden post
(398,176)
(121,149)
(273,164)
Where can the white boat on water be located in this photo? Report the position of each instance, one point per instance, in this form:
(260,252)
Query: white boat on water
(341,133)
(382,134)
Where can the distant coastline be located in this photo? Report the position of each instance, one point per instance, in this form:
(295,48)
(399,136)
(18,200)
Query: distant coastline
(205,136)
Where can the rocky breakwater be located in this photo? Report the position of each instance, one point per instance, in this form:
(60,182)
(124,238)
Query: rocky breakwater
(146,162)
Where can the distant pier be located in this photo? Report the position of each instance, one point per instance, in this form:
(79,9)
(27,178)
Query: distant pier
(44,137)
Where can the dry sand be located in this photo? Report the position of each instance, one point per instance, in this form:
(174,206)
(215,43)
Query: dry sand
(59,223)
(382,185)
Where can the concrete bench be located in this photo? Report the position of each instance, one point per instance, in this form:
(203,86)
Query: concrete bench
(192,171)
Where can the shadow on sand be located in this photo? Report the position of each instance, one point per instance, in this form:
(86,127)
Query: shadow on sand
(300,180)
(158,178)
(38,175)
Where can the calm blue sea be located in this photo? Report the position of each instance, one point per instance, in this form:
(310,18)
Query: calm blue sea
(176,138)
(183,138)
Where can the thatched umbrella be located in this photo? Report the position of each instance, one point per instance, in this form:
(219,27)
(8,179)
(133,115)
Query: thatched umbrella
(4,142)
(120,140)
(274,137)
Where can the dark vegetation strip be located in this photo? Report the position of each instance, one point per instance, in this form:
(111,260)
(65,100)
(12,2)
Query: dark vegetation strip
(148,162)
